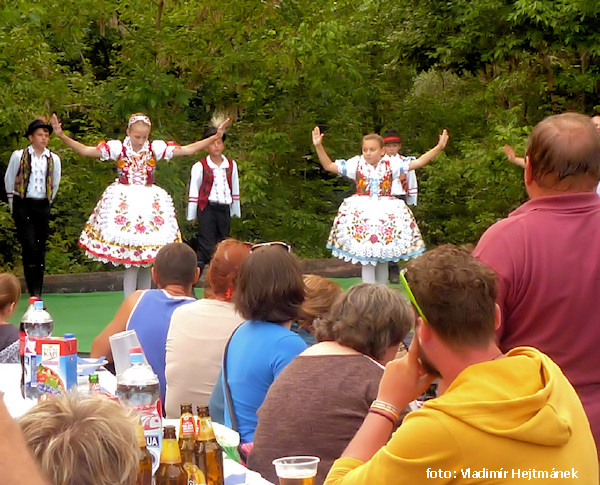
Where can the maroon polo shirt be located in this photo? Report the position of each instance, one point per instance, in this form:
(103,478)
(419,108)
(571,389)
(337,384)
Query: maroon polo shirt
(547,258)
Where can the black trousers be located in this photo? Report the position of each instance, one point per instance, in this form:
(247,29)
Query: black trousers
(214,224)
(32,217)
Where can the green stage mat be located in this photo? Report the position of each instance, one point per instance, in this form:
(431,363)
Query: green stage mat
(86,314)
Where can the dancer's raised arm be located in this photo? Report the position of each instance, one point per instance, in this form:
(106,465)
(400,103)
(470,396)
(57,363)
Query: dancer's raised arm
(83,150)
(431,154)
(327,164)
(512,156)
(201,144)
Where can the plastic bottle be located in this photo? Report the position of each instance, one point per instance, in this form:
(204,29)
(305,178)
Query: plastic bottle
(36,323)
(22,336)
(138,388)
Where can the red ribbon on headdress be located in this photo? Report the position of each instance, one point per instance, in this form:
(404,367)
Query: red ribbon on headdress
(390,139)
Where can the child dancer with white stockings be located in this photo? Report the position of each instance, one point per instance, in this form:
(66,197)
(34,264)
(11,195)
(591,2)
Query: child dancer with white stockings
(134,218)
(372,227)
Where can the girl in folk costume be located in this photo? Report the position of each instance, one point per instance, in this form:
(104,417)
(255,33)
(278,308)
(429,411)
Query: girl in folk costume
(214,196)
(372,227)
(134,218)
(31,183)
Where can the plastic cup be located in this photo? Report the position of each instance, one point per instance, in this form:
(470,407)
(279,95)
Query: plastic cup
(296,470)
(120,343)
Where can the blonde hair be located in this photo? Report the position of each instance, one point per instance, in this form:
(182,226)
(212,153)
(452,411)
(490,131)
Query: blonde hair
(368,318)
(320,294)
(10,290)
(83,440)
(376,137)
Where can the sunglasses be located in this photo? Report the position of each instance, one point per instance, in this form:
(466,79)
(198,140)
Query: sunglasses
(410,295)
(287,247)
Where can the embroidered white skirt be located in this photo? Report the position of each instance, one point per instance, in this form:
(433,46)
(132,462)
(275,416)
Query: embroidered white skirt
(129,225)
(369,230)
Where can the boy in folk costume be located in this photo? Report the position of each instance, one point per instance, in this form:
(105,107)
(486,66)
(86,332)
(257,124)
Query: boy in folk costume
(214,197)
(404,187)
(31,182)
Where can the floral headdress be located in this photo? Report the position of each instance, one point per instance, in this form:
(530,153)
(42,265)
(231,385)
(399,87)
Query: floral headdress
(139,117)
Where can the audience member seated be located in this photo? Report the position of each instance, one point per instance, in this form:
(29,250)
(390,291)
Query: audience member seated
(320,295)
(269,296)
(498,418)
(83,440)
(149,312)
(10,294)
(200,330)
(17,464)
(319,401)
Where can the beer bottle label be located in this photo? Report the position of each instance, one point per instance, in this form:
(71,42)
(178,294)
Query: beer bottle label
(187,425)
(195,475)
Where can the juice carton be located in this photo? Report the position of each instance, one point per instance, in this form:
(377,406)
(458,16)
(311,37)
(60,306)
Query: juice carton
(56,361)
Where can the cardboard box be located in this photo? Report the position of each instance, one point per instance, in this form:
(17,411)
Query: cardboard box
(56,361)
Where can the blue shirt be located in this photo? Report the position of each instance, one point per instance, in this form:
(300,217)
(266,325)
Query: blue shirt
(151,319)
(258,352)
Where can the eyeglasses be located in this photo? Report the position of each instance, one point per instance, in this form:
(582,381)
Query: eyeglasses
(286,246)
(410,295)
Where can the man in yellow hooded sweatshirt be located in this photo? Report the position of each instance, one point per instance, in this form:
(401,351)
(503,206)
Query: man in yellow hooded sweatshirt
(498,418)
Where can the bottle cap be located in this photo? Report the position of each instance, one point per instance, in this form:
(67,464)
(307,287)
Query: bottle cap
(38,304)
(69,335)
(33,299)
(135,355)
(135,350)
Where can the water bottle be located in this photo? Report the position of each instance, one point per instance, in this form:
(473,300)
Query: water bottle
(138,389)
(22,336)
(37,323)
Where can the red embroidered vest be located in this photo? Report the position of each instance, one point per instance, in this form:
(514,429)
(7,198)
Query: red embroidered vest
(208,179)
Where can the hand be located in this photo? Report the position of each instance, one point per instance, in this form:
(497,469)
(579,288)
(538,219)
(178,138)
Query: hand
(221,128)
(404,379)
(443,140)
(56,126)
(404,182)
(510,153)
(317,136)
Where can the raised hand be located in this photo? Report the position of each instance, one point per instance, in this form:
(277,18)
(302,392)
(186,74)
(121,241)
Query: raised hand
(56,125)
(222,126)
(443,140)
(317,136)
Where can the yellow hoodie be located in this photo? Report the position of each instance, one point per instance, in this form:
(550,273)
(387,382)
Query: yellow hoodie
(514,420)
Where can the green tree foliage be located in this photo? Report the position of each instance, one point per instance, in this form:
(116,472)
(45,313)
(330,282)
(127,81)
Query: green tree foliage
(487,70)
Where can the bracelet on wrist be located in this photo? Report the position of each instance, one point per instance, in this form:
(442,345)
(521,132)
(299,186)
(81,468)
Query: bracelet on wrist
(384,414)
(385,406)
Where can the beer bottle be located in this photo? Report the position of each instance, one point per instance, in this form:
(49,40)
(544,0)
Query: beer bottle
(170,471)
(144,475)
(94,383)
(187,445)
(208,452)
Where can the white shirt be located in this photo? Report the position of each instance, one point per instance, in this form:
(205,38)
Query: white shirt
(411,178)
(36,188)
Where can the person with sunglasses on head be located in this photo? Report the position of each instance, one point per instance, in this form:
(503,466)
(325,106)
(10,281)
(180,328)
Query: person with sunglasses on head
(134,218)
(498,417)
(269,295)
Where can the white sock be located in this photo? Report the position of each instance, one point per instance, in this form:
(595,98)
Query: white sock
(144,278)
(368,273)
(382,273)
(130,280)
